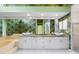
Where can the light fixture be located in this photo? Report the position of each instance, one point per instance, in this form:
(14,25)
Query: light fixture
(28,14)
(56,14)
(42,14)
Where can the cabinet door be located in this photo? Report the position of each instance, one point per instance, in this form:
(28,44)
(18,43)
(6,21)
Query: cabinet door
(43,42)
(51,43)
(28,42)
(64,42)
(34,42)
(20,42)
(47,43)
(56,43)
(40,42)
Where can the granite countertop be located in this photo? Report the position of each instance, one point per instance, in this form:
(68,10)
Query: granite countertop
(45,35)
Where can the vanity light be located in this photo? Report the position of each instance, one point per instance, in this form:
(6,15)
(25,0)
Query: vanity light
(42,14)
(28,14)
(56,14)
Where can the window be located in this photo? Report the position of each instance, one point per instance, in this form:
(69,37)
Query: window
(40,27)
(60,25)
(45,26)
(52,25)
(63,25)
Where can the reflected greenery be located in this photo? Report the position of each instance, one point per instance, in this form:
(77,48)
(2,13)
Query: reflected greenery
(0,27)
(18,26)
(52,25)
(22,26)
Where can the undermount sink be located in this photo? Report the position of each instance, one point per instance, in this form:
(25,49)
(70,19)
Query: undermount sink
(59,33)
(27,33)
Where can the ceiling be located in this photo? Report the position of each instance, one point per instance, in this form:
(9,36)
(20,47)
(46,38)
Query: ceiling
(34,11)
(33,15)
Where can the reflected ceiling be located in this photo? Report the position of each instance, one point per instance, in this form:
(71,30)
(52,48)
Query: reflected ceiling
(35,11)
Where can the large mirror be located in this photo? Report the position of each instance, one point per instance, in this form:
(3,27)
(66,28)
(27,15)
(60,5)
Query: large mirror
(18,26)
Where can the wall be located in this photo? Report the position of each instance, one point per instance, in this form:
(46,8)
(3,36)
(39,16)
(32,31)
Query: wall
(75,27)
(33,9)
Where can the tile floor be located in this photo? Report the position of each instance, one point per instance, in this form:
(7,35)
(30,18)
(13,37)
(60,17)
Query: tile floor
(45,52)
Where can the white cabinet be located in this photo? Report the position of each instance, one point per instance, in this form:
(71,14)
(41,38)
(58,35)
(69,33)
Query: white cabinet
(43,42)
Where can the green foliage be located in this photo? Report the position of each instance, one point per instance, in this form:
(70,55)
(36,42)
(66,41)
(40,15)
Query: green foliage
(0,27)
(18,26)
(52,25)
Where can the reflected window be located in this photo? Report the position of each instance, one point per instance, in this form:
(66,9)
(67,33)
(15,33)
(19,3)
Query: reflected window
(47,26)
(60,25)
(0,27)
(52,25)
(40,27)
(63,25)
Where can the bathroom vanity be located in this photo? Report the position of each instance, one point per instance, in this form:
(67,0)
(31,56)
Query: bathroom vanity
(43,42)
